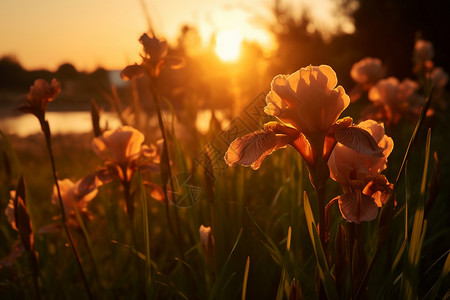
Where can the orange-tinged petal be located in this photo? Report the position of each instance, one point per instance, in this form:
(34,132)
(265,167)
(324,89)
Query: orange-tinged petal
(330,75)
(359,140)
(302,145)
(347,165)
(119,146)
(307,99)
(356,207)
(132,71)
(251,149)
(379,189)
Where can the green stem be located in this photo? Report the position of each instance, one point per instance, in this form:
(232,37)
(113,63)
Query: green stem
(46,129)
(177,237)
(130,213)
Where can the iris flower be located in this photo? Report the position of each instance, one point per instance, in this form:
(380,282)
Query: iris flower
(394,99)
(123,152)
(359,175)
(41,93)
(121,149)
(365,73)
(307,104)
(154,59)
(74,195)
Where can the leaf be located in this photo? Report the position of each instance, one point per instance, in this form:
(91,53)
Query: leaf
(270,245)
(221,275)
(244,283)
(324,271)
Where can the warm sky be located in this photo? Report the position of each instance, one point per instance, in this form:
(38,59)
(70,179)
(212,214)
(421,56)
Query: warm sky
(92,33)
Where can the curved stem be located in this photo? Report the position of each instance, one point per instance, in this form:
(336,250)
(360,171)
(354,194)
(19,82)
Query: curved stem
(177,237)
(46,129)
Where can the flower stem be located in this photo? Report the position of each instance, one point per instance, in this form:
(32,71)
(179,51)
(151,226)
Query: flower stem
(177,237)
(130,212)
(322,225)
(35,268)
(322,228)
(46,130)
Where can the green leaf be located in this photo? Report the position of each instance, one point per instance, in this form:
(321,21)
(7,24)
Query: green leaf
(219,280)
(324,271)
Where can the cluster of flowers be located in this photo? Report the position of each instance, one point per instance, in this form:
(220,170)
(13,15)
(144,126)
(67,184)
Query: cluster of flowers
(393,99)
(122,151)
(308,104)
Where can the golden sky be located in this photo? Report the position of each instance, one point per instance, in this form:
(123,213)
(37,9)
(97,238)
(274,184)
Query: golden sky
(93,33)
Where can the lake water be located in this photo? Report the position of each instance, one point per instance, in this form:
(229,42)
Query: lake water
(60,123)
(75,122)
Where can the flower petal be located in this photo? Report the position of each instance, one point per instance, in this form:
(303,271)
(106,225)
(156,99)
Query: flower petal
(379,189)
(359,140)
(132,71)
(251,149)
(356,207)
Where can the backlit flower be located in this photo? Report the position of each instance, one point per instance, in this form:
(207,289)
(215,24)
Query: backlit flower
(367,71)
(74,196)
(396,98)
(123,152)
(120,146)
(154,48)
(359,175)
(308,99)
(423,50)
(423,55)
(308,104)
(439,77)
(41,93)
(154,58)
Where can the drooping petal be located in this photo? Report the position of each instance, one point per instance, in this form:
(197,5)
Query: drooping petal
(251,149)
(359,140)
(330,140)
(384,142)
(132,71)
(356,207)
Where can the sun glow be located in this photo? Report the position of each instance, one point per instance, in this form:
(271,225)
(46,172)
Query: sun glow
(228,45)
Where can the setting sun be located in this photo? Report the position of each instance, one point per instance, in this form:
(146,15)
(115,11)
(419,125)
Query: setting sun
(228,44)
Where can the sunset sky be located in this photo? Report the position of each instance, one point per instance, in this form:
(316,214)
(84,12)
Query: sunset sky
(93,33)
